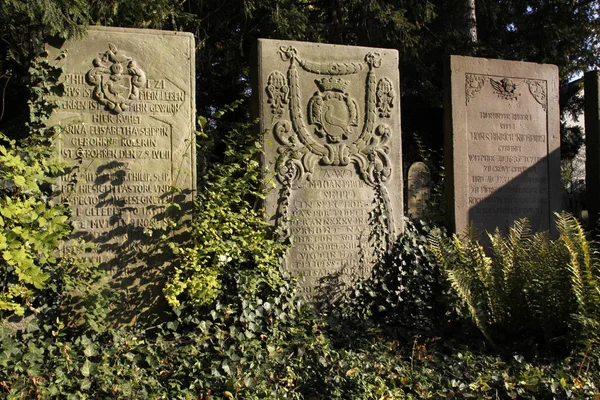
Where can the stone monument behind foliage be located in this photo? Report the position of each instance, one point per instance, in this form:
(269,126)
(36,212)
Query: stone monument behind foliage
(418,190)
(331,122)
(126,121)
(502,143)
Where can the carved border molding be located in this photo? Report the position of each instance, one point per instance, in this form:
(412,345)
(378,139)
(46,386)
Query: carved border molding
(506,88)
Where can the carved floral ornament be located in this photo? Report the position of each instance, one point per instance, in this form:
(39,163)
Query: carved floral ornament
(116,78)
(506,88)
(333,133)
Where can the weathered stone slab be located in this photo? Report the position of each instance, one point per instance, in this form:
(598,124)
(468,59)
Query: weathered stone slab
(331,119)
(592,146)
(418,189)
(502,143)
(126,119)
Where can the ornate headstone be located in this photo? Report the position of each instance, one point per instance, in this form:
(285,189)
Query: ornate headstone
(331,119)
(127,120)
(418,189)
(502,149)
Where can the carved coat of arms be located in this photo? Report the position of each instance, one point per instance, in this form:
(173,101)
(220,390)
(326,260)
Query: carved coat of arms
(116,78)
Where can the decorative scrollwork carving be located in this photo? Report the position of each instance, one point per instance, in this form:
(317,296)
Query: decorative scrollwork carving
(284,134)
(537,88)
(385,97)
(277,92)
(334,116)
(116,78)
(473,85)
(333,112)
(373,60)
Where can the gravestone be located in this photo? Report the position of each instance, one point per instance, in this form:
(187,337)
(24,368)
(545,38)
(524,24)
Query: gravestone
(126,124)
(502,143)
(331,121)
(592,145)
(418,189)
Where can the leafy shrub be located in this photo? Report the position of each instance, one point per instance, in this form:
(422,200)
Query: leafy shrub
(403,288)
(251,338)
(228,228)
(532,290)
(31,227)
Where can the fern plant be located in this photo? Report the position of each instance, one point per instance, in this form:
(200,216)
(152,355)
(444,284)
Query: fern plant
(530,289)
(584,271)
(466,268)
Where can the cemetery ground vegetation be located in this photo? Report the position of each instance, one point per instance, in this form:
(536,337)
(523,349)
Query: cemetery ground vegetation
(437,318)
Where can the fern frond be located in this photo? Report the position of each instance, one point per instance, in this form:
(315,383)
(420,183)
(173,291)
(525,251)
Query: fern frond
(466,289)
(466,267)
(567,229)
(582,266)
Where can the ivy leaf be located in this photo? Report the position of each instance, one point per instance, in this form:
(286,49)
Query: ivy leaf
(85,384)
(86,368)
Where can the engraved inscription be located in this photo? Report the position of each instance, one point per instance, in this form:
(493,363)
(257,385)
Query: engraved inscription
(330,228)
(155,96)
(507,157)
(125,124)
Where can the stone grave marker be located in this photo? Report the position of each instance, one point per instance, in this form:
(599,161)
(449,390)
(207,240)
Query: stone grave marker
(331,119)
(592,144)
(126,120)
(418,189)
(502,143)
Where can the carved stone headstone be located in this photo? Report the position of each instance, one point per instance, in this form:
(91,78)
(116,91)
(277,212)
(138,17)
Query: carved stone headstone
(126,119)
(418,189)
(331,119)
(502,149)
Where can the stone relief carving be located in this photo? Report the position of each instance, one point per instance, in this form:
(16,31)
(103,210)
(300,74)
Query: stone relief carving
(117,79)
(473,85)
(333,111)
(277,91)
(385,97)
(336,137)
(537,88)
(506,88)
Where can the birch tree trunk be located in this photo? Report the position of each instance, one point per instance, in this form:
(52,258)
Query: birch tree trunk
(471,21)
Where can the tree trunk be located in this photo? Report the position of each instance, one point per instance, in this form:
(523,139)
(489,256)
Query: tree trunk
(336,27)
(471,21)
